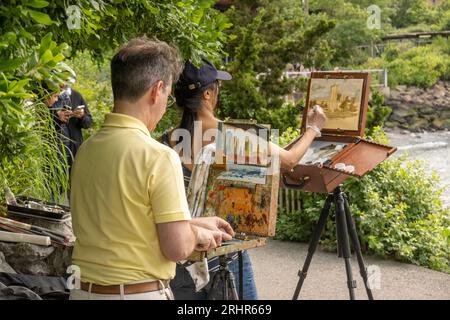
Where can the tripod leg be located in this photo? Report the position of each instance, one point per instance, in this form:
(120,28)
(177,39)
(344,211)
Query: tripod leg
(357,247)
(241,276)
(225,287)
(232,286)
(212,294)
(313,245)
(342,232)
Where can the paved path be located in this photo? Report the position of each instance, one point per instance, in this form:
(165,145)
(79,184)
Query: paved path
(276,266)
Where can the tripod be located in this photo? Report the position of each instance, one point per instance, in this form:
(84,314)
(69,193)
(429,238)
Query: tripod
(223,279)
(345,227)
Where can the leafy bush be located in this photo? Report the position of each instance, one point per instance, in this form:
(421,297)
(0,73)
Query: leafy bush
(399,213)
(36,36)
(377,113)
(93,82)
(415,66)
(397,210)
(37,170)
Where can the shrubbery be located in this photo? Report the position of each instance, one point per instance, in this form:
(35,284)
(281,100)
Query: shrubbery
(417,66)
(397,210)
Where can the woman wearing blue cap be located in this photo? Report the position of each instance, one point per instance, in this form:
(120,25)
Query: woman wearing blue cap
(197,94)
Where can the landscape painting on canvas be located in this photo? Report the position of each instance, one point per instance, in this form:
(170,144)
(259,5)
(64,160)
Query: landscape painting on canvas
(340,99)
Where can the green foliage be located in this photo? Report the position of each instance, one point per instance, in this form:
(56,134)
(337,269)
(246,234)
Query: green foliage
(36,170)
(35,38)
(414,12)
(415,66)
(420,66)
(397,211)
(377,113)
(94,84)
(269,35)
(350,30)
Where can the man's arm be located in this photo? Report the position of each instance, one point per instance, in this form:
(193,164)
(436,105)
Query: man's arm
(178,234)
(178,239)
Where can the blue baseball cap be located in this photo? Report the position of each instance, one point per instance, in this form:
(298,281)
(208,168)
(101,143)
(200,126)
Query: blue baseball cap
(193,78)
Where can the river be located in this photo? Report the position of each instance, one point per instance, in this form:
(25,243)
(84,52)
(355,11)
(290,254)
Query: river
(432,147)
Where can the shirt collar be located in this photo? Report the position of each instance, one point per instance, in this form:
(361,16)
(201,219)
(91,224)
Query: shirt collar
(124,121)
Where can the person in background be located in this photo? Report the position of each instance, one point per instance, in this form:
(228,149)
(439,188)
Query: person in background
(71,116)
(197,94)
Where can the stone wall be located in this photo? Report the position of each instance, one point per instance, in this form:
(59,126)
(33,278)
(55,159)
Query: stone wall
(419,109)
(26,258)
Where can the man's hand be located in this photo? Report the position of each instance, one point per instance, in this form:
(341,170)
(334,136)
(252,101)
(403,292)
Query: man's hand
(79,113)
(206,239)
(64,115)
(215,224)
(316,117)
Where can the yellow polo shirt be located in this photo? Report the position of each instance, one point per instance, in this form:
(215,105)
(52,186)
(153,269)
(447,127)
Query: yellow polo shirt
(124,183)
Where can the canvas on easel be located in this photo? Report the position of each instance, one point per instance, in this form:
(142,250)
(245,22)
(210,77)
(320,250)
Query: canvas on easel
(341,152)
(242,185)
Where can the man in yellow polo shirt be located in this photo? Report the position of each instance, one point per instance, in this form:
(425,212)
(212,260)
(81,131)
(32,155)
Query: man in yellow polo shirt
(129,208)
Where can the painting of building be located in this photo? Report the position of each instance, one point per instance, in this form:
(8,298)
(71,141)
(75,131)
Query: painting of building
(340,99)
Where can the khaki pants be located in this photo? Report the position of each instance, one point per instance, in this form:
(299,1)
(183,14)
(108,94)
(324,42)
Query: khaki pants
(164,294)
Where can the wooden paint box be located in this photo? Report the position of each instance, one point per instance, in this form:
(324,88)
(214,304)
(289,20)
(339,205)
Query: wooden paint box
(340,152)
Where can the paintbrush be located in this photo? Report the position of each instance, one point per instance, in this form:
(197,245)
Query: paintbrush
(52,237)
(27,226)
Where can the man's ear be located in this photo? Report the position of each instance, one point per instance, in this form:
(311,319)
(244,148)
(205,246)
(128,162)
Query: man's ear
(155,91)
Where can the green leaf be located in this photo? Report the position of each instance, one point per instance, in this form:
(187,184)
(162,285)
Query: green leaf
(37,4)
(46,57)
(40,17)
(12,64)
(19,85)
(59,57)
(45,43)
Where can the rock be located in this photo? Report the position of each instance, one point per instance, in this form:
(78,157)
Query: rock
(426,110)
(4,266)
(404,112)
(418,123)
(420,101)
(37,260)
(438,123)
(27,258)
(446,124)
(445,114)
(404,126)
(394,95)
(407,98)
(401,88)
(429,100)
(396,118)
(390,124)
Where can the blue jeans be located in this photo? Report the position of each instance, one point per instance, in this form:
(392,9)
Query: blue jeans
(249,285)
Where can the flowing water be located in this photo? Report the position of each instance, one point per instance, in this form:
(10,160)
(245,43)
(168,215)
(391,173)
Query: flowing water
(432,147)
